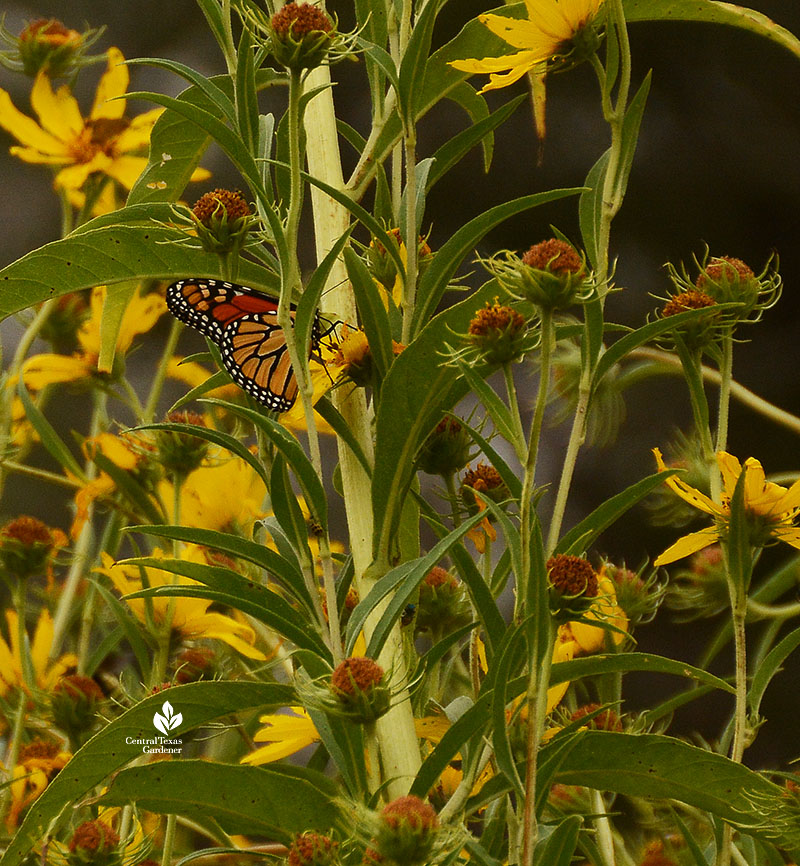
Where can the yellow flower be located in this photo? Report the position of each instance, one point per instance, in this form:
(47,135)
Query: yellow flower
(226,494)
(190,616)
(547,31)
(45,672)
(140,315)
(105,142)
(285,734)
(38,762)
(770,508)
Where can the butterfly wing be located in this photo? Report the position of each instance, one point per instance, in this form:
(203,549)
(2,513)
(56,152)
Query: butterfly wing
(255,355)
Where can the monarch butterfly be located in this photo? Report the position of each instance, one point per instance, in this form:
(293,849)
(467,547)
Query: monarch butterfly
(244,325)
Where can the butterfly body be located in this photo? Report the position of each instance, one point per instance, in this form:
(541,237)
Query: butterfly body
(244,325)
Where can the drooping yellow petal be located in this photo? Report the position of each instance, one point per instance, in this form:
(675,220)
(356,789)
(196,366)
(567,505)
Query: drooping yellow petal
(73,177)
(789,534)
(286,734)
(58,111)
(35,157)
(789,500)
(689,494)
(137,135)
(216,625)
(523,33)
(688,545)
(27,131)
(113,84)
(8,673)
(49,369)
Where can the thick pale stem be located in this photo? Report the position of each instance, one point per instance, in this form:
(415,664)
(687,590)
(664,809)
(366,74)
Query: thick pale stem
(395,731)
(411,234)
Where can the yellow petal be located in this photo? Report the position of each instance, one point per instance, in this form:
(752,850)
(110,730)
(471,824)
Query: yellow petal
(48,369)
(126,170)
(686,492)
(688,545)
(73,177)
(789,534)
(790,499)
(220,627)
(523,34)
(27,131)
(432,728)
(36,157)
(58,111)
(114,83)
(730,469)
(137,135)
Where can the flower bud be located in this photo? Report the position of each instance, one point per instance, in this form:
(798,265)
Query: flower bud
(570,799)
(666,509)
(551,275)
(407,831)
(194,664)
(701,330)
(181,452)
(27,547)
(702,589)
(498,333)
(360,688)
(47,46)
(94,843)
(301,36)
(572,586)
(447,449)
(313,849)
(442,603)
(638,597)
(382,266)
(74,703)
(605,720)
(223,220)
(485,479)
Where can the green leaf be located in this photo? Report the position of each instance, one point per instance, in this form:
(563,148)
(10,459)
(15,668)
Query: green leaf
(246,97)
(510,655)
(130,627)
(411,76)
(715,13)
(131,488)
(559,847)
(277,566)
(419,388)
(287,509)
(492,620)
(737,543)
(371,311)
(468,725)
(54,444)
(274,801)
(437,276)
(325,409)
(497,409)
(654,765)
(292,451)
(457,147)
(581,537)
(108,751)
(112,254)
(605,663)
(253,598)
(590,208)
(510,478)
(630,135)
(117,299)
(770,666)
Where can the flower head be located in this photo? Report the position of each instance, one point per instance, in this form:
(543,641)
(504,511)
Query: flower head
(37,764)
(46,45)
(285,733)
(407,830)
(498,333)
(313,849)
(302,35)
(27,547)
(769,508)
(106,143)
(222,219)
(359,686)
(46,672)
(554,33)
(447,449)
(96,843)
(190,617)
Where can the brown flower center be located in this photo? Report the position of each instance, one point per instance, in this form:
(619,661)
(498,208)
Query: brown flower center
(496,317)
(93,836)
(572,575)
(300,19)
(482,477)
(410,811)
(27,531)
(356,674)
(691,300)
(77,686)
(41,750)
(555,256)
(724,268)
(232,202)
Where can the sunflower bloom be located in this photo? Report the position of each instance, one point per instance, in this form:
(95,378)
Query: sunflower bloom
(46,673)
(38,763)
(190,616)
(770,508)
(140,315)
(104,143)
(549,30)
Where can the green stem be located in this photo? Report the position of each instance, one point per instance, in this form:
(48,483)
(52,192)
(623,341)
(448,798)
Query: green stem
(772,611)
(726,376)
(536,702)
(452,495)
(149,411)
(169,841)
(604,835)
(520,445)
(411,234)
(526,516)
